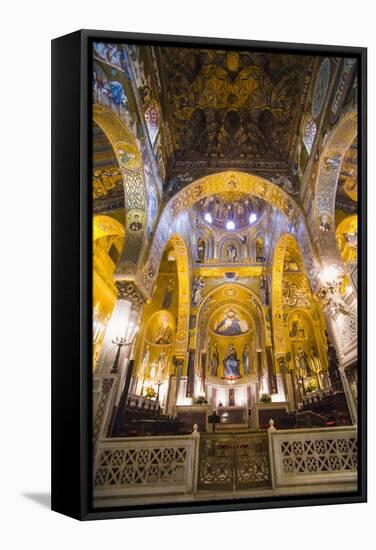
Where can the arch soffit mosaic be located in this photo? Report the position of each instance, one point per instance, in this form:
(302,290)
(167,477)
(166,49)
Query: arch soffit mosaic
(207,186)
(105,226)
(129,159)
(183,271)
(285,241)
(334,151)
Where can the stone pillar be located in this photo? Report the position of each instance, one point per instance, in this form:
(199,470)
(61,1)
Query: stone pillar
(290,396)
(272,380)
(334,369)
(111,371)
(216,250)
(169,402)
(287,382)
(283,373)
(349,395)
(179,364)
(203,371)
(191,374)
(298,397)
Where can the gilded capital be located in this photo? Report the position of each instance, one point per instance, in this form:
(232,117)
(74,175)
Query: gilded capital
(127,290)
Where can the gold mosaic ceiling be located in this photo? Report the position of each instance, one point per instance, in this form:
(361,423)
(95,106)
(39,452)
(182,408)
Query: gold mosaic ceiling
(233,105)
(348,178)
(347,189)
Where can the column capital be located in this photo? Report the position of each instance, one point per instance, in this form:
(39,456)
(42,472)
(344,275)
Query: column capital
(128,290)
(178,360)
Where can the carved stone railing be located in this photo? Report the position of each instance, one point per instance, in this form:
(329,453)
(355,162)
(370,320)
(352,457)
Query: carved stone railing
(233,461)
(306,459)
(280,462)
(142,466)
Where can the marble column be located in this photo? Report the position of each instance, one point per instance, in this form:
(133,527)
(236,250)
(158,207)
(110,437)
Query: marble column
(272,381)
(113,362)
(178,374)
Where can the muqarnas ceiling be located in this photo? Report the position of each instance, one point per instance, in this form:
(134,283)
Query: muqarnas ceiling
(234,105)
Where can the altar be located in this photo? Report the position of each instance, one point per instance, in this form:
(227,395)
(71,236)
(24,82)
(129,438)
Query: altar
(232,418)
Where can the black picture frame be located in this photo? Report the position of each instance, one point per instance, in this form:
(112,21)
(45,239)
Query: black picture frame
(72,278)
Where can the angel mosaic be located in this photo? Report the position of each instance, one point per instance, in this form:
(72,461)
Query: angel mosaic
(197,288)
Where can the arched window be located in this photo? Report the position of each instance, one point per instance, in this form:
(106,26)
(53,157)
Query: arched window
(260,250)
(153,120)
(201,250)
(309,133)
(230,250)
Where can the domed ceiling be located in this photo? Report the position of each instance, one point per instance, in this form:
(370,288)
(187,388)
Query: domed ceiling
(230,211)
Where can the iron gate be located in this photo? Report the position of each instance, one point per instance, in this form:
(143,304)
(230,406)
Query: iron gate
(232,461)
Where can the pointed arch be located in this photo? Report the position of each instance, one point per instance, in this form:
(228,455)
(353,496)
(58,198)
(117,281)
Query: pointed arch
(104,226)
(213,184)
(206,235)
(334,151)
(178,305)
(183,269)
(253,298)
(242,298)
(285,241)
(227,240)
(135,197)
